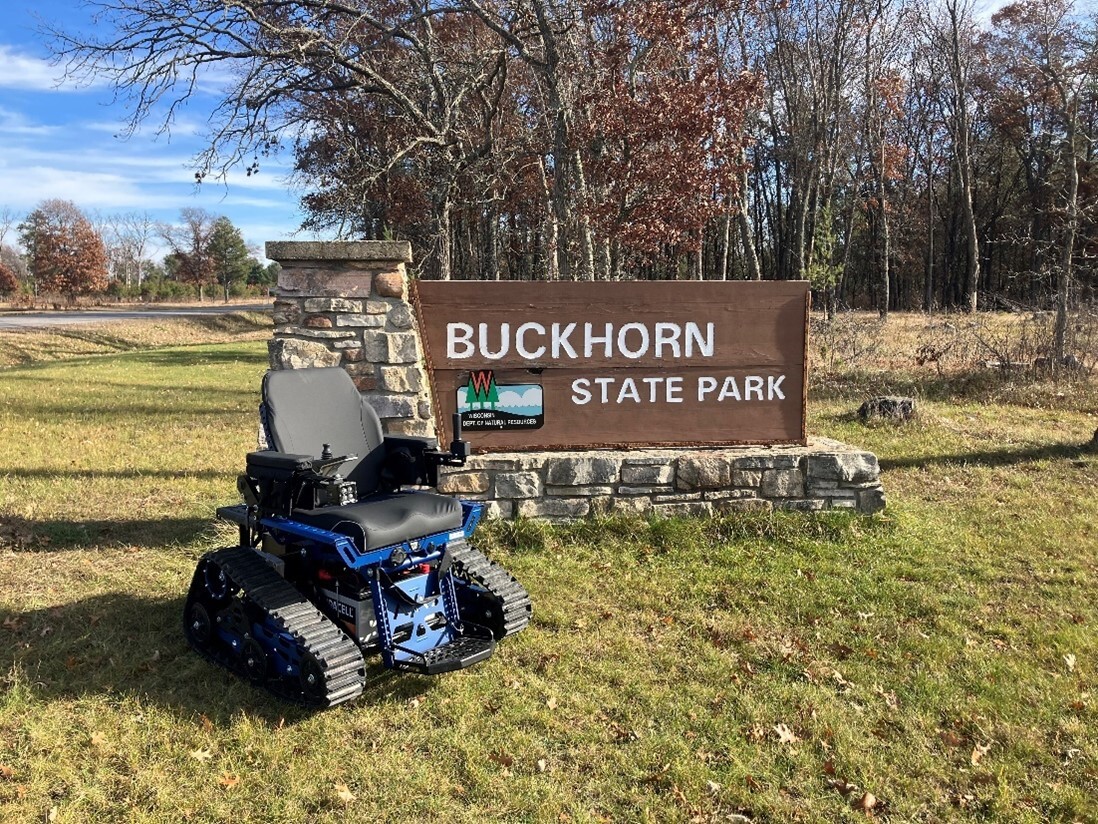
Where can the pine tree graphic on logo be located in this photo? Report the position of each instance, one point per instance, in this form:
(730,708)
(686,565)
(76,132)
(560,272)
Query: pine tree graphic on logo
(482,389)
(486,405)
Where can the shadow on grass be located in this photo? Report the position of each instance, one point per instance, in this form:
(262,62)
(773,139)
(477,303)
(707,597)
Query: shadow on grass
(127,644)
(180,357)
(993,457)
(24,535)
(49,412)
(91,474)
(30,357)
(121,383)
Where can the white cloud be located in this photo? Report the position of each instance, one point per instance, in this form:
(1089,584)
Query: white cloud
(19,70)
(26,186)
(16,123)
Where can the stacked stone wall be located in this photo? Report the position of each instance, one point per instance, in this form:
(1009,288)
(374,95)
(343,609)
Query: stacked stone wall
(825,474)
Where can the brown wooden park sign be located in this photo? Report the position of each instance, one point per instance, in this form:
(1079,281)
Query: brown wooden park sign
(647,363)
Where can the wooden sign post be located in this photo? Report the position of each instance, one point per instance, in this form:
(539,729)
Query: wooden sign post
(649,363)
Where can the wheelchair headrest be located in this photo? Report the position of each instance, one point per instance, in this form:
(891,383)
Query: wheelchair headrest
(307,408)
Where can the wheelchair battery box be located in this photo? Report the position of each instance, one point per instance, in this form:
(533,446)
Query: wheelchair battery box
(355,611)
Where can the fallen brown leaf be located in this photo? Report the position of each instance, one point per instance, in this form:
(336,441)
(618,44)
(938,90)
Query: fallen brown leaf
(6,771)
(502,758)
(785,735)
(98,739)
(756,733)
(229,779)
(951,739)
(201,755)
(978,752)
(867,802)
(844,788)
(1069,659)
(344,794)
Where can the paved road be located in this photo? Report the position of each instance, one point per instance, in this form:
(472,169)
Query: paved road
(41,320)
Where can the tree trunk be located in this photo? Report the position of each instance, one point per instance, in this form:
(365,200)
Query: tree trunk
(726,243)
(885,247)
(445,260)
(1067,248)
(752,270)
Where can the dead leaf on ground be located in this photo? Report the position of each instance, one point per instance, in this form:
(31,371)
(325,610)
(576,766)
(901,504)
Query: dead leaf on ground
(867,802)
(542,765)
(201,755)
(785,735)
(6,771)
(889,697)
(843,787)
(229,779)
(207,724)
(978,752)
(951,739)
(551,702)
(502,758)
(756,733)
(343,792)
(840,682)
(98,739)
(1069,659)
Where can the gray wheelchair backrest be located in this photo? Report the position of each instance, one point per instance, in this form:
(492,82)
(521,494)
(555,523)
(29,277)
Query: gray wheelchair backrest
(307,408)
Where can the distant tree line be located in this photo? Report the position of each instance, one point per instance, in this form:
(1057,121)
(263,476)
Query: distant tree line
(66,254)
(900,154)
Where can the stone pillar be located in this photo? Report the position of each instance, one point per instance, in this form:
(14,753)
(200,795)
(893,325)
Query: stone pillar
(346,304)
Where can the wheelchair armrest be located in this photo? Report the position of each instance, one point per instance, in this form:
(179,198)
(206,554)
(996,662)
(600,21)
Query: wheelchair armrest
(270,465)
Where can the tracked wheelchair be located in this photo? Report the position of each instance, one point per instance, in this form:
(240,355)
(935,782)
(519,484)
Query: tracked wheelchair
(342,551)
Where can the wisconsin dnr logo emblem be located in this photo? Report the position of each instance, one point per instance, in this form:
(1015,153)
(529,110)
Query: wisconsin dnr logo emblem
(486,405)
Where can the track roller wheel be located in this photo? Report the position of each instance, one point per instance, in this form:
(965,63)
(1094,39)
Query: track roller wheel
(216,583)
(199,626)
(313,680)
(254,659)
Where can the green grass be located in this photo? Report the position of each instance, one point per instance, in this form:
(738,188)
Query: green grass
(663,659)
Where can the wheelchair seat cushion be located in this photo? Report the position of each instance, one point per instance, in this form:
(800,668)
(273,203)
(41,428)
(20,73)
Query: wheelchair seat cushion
(381,520)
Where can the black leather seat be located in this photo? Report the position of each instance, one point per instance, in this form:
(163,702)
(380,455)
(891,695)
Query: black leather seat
(306,408)
(387,519)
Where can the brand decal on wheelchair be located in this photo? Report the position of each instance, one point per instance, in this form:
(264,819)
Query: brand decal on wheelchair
(485,404)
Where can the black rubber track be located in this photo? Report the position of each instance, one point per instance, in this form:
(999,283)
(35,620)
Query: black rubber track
(333,660)
(475,567)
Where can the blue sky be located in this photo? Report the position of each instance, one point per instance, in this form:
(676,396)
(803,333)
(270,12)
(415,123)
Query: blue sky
(62,142)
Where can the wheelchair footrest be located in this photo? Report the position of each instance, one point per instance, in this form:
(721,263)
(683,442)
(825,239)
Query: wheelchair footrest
(463,651)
